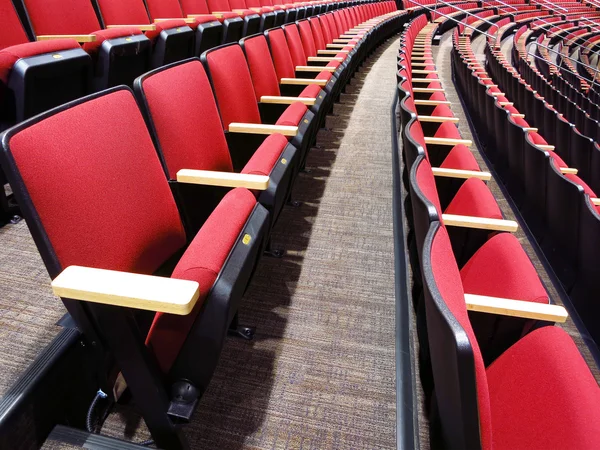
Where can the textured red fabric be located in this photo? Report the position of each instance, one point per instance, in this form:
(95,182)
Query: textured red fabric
(284,66)
(186,119)
(123,12)
(317,32)
(557,160)
(233,86)
(442,111)
(447,278)
(426,183)
(448,130)
(325,30)
(164,9)
(520,121)
(536,138)
(438,96)
(543,395)
(293,114)
(295,44)
(460,157)
(11,31)
(261,66)
(62,16)
(267,155)
(103,35)
(201,262)
(308,41)
(474,199)
(218,5)
(194,7)
(501,268)
(9,56)
(311,91)
(96,182)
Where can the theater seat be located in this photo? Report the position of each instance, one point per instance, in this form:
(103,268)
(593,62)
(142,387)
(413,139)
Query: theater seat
(109,161)
(179,106)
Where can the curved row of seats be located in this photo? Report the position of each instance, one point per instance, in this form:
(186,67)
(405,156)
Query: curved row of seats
(488,374)
(151,207)
(36,76)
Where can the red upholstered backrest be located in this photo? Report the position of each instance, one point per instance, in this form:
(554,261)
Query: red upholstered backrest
(282,58)
(335,33)
(307,38)
(325,29)
(261,66)
(232,84)
(295,44)
(185,117)
(123,12)
(426,182)
(218,5)
(164,9)
(194,7)
(237,4)
(416,131)
(62,16)
(315,25)
(11,29)
(447,278)
(96,182)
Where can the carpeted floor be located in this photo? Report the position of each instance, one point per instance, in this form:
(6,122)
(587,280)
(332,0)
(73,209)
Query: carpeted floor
(28,310)
(320,373)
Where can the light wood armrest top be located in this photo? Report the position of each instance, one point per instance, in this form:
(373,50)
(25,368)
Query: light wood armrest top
(82,38)
(303,81)
(259,128)
(431,102)
(324,59)
(438,119)
(200,16)
(447,141)
(339,45)
(223,179)
(309,101)
(314,69)
(424,71)
(129,290)
(569,170)
(481,223)
(139,27)
(549,148)
(331,52)
(516,308)
(459,173)
(189,20)
(428,90)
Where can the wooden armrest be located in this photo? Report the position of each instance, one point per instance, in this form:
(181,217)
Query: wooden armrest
(303,81)
(459,173)
(546,147)
(348,36)
(532,129)
(224,179)
(428,90)
(341,41)
(516,308)
(259,128)
(481,223)
(447,141)
(425,80)
(568,170)
(438,119)
(424,71)
(497,94)
(82,38)
(200,16)
(139,27)
(431,102)
(506,103)
(330,52)
(324,59)
(287,100)
(522,116)
(339,45)
(315,69)
(222,13)
(189,20)
(595,201)
(129,290)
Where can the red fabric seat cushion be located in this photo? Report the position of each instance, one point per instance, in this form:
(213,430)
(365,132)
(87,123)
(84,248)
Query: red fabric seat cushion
(202,262)
(474,199)
(267,155)
(103,35)
(543,395)
(448,130)
(518,278)
(460,157)
(292,115)
(9,56)
(438,96)
(442,111)
(311,91)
